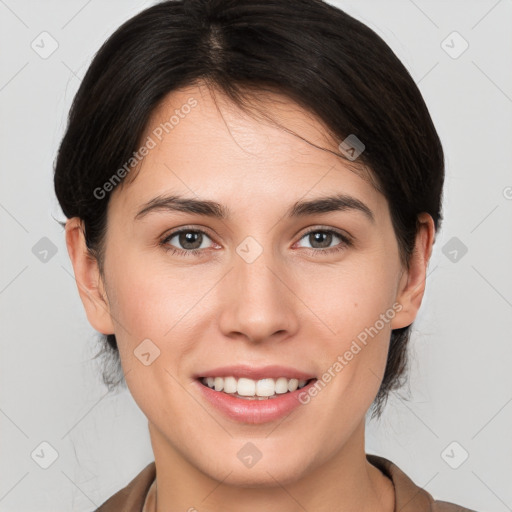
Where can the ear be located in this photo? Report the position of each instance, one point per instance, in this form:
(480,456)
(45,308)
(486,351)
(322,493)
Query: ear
(412,283)
(88,279)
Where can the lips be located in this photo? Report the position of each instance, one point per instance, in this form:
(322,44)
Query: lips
(253,412)
(256,373)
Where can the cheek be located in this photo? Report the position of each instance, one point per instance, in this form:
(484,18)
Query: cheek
(351,297)
(156,302)
(354,306)
(140,290)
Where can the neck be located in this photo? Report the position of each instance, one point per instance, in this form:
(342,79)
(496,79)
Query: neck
(344,482)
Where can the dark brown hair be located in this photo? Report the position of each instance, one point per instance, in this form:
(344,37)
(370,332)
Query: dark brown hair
(309,51)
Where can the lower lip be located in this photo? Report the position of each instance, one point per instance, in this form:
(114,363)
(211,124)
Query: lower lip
(254,411)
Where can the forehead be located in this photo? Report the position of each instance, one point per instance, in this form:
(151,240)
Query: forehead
(203,144)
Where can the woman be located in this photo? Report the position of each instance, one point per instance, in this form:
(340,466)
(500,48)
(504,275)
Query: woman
(253,190)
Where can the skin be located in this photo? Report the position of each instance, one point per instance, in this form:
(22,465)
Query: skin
(294,305)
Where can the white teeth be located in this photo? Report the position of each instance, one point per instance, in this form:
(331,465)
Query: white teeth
(230,385)
(282,385)
(246,387)
(219,383)
(251,388)
(265,387)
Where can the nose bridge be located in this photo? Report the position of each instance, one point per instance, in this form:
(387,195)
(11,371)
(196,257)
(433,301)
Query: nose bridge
(258,303)
(253,266)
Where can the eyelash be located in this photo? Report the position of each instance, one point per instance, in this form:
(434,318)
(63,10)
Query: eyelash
(345,242)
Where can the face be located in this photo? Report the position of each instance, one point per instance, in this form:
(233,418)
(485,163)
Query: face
(258,287)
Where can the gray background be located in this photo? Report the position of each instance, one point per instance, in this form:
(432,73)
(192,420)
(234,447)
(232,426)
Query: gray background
(461,351)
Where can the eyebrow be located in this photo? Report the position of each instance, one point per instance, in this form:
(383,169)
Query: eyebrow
(176,203)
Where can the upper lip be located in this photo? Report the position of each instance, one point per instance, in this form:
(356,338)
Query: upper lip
(256,373)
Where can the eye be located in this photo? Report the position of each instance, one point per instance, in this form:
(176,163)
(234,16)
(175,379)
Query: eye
(189,241)
(192,242)
(322,239)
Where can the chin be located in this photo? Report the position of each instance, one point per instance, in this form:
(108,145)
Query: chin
(272,471)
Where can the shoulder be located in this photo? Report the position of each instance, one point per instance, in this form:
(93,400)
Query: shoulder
(131,497)
(409,497)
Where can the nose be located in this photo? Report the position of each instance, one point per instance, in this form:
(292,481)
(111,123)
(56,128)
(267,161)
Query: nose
(258,301)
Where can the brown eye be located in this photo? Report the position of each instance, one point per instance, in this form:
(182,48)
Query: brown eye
(190,239)
(322,239)
(186,241)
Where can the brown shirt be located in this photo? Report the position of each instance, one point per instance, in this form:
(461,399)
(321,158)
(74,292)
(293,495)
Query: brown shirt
(408,496)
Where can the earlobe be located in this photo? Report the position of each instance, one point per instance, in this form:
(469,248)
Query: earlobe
(88,278)
(412,284)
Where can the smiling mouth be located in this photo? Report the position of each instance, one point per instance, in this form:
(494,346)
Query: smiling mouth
(248,389)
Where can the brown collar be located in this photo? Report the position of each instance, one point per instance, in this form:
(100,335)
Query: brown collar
(408,496)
